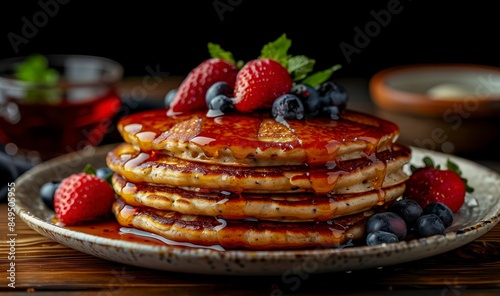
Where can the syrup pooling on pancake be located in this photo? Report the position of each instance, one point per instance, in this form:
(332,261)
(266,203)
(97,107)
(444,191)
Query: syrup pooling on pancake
(246,234)
(232,206)
(256,139)
(146,234)
(349,176)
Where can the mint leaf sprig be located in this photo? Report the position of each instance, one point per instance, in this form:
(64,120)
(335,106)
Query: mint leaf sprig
(216,51)
(321,76)
(300,67)
(35,70)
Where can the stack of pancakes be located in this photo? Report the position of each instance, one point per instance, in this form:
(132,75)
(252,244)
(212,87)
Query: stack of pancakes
(248,181)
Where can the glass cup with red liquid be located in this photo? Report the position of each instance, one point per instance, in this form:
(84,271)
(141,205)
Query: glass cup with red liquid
(67,108)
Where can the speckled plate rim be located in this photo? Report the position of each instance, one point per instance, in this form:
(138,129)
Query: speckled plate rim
(480,213)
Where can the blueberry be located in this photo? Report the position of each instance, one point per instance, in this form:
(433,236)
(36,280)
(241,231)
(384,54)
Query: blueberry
(338,98)
(103,172)
(287,106)
(169,97)
(309,97)
(303,91)
(429,224)
(333,112)
(47,193)
(218,88)
(313,106)
(389,222)
(442,211)
(380,237)
(220,105)
(333,94)
(329,86)
(408,209)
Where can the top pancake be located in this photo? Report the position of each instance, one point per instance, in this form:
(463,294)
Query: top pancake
(257,139)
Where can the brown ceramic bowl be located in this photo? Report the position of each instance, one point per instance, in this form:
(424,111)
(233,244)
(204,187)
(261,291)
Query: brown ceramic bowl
(438,89)
(452,108)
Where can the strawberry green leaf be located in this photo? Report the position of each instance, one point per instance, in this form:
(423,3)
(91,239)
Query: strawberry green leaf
(455,168)
(89,169)
(468,188)
(321,76)
(277,50)
(428,162)
(299,66)
(216,51)
(108,179)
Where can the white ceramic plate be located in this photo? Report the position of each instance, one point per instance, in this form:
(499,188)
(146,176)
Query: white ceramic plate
(479,214)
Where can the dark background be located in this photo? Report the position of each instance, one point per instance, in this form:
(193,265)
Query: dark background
(172,35)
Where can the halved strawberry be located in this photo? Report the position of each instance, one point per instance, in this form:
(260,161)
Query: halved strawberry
(191,93)
(259,83)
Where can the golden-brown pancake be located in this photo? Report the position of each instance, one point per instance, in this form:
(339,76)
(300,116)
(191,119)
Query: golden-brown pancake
(247,181)
(382,169)
(276,207)
(256,139)
(243,234)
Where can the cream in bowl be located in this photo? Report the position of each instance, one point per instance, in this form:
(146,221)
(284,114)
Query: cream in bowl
(435,89)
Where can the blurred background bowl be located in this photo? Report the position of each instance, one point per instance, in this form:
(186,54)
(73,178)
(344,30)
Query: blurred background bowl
(437,89)
(452,108)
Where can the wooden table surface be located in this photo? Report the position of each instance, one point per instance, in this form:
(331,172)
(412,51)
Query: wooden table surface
(48,268)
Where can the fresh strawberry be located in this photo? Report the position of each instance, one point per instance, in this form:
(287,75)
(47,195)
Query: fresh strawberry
(432,184)
(191,93)
(82,197)
(259,83)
